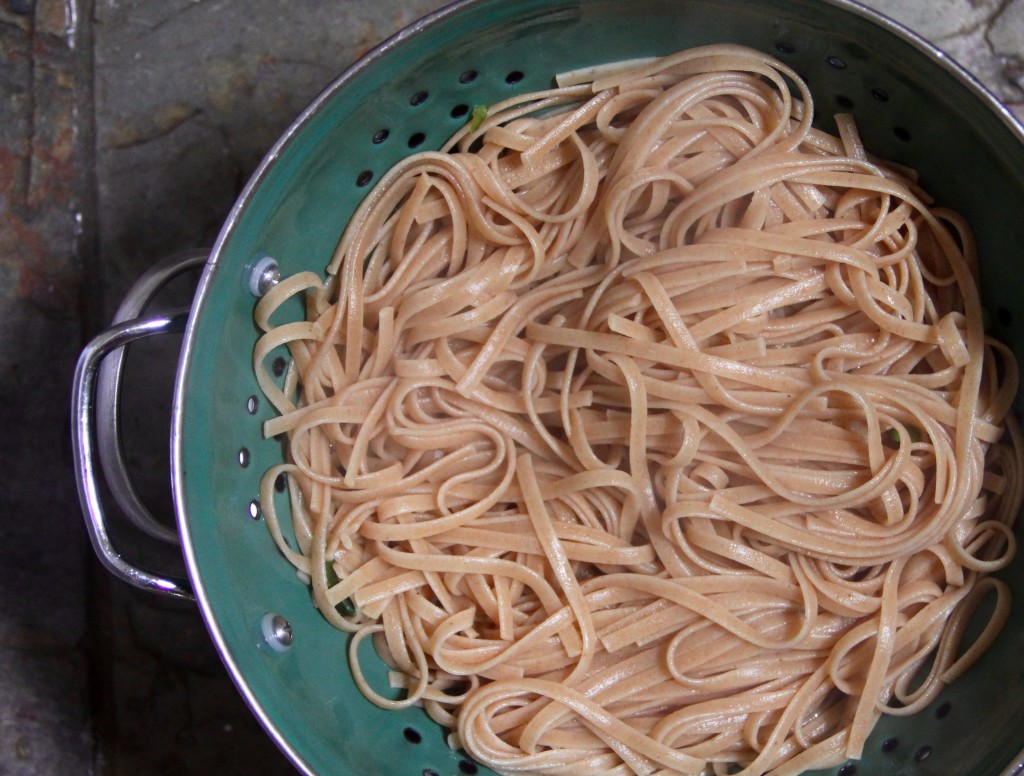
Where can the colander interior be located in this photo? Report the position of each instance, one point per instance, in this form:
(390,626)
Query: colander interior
(412,93)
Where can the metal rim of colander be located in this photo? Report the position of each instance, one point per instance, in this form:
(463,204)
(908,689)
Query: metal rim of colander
(178,474)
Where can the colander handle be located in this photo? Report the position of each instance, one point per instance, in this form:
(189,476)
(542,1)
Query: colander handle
(95,400)
(108,390)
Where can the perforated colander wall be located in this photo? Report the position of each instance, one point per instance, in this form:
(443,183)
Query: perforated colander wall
(411,95)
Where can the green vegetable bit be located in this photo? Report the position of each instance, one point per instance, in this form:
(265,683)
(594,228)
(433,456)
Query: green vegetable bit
(476,118)
(332,577)
(346,608)
(912,432)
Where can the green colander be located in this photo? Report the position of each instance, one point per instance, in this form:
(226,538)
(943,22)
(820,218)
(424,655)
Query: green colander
(912,104)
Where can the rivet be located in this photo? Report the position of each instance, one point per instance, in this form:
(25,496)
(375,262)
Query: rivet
(277,632)
(264,275)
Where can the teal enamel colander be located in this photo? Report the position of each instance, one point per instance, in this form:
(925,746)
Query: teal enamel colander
(912,104)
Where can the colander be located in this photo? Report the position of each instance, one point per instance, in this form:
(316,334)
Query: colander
(912,104)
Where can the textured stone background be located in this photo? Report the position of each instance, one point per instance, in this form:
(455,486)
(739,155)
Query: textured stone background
(127,128)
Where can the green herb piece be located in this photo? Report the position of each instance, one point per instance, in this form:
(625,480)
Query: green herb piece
(346,608)
(912,432)
(332,577)
(476,118)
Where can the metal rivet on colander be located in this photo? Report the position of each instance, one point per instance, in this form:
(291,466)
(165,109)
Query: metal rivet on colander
(277,631)
(264,275)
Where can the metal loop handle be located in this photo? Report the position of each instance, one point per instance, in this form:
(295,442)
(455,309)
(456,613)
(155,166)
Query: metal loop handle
(82,430)
(95,405)
(108,389)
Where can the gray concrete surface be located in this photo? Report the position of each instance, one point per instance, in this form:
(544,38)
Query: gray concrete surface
(44,720)
(127,128)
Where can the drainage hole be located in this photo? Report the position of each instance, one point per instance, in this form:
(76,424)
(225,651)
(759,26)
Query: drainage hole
(419,98)
(416,139)
(468,76)
(252,404)
(1004,316)
(923,754)
(412,735)
(243,457)
(364,177)
(467,767)
(514,77)
(880,94)
(901,134)
(890,744)
(460,111)
(254,509)
(837,62)
(277,366)
(381,135)
(844,102)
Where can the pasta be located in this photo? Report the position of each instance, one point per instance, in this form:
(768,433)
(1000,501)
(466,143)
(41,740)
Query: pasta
(646,429)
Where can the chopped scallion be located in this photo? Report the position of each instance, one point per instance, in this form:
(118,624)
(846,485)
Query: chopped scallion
(476,118)
(332,577)
(912,432)
(346,608)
